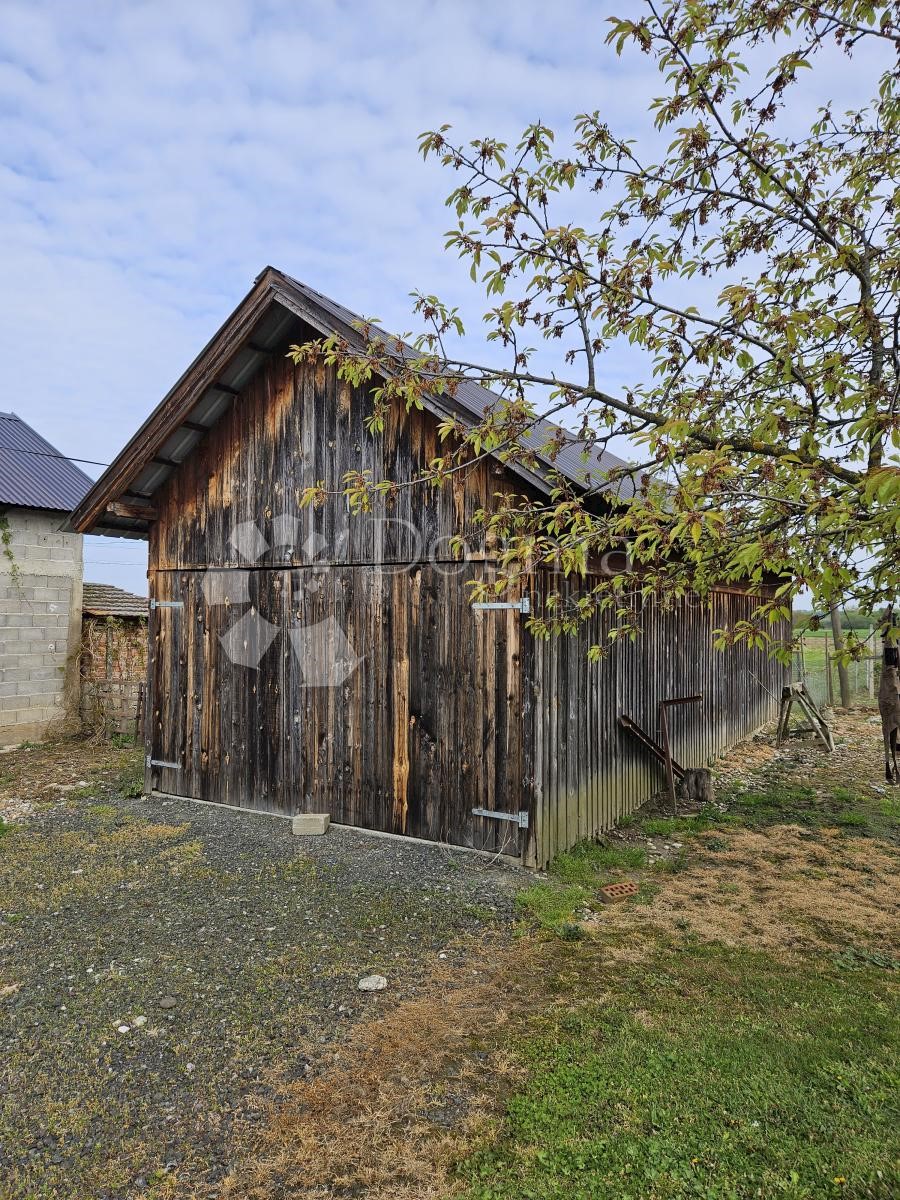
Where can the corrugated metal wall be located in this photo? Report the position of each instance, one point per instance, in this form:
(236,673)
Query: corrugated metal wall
(587,771)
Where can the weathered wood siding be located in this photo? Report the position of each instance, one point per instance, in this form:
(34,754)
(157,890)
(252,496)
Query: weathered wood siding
(587,771)
(447,709)
(294,428)
(425,726)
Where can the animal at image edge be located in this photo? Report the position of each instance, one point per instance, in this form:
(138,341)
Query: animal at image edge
(889,707)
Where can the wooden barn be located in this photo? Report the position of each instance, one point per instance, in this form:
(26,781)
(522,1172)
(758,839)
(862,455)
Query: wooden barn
(310,660)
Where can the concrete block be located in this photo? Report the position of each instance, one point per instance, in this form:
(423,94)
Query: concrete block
(37,687)
(310,823)
(19,620)
(15,674)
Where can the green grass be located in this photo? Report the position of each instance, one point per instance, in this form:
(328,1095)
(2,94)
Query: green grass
(666,827)
(587,861)
(574,880)
(872,816)
(550,905)
(779,803)
(705,1072)
(131,781)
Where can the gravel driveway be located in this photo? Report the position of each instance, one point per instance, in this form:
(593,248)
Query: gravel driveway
(163,962)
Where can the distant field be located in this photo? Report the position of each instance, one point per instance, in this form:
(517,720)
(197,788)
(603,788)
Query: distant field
(816,645)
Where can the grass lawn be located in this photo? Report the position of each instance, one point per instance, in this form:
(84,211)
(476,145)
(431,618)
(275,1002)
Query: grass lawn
(732,1032)
(702,1071)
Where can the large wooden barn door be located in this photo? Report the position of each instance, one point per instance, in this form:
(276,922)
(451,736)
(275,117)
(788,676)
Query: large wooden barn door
(428,725)
(463,715)
(381,698)
(167,701)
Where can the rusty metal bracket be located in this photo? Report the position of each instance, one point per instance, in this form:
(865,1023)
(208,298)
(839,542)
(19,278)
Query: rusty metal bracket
(664,706)
(650,744)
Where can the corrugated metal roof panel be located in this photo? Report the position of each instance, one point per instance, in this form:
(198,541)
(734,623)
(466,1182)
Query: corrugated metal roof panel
(33,474)
(581,463)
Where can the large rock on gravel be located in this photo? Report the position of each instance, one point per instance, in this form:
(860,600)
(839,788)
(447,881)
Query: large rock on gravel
(372,983)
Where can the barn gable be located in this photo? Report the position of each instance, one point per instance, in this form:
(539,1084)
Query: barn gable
(277,311)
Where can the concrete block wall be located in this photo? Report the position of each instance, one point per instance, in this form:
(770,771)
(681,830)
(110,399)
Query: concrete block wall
(40,623)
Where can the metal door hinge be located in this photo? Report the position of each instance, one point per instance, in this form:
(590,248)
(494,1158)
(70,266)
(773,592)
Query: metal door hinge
(518,818)
(522,606)
(158,762)
(166,604)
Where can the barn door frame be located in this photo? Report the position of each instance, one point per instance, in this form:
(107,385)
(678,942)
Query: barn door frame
(521,818)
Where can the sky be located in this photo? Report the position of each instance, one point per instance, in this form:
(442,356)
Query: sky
(154,157)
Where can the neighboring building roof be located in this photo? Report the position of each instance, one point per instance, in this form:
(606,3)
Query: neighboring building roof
(33,474)
(104,600)
(121,502)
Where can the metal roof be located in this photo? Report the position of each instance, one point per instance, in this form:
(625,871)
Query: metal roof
(275,310)
(104,600)
(33,474)
(580,463)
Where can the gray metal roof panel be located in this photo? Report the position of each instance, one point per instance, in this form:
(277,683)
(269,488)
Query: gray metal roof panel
(33,474)
(578,462)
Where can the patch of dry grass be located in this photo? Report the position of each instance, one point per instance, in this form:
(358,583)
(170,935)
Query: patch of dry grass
(401,1099)
(782,890)
(35,775)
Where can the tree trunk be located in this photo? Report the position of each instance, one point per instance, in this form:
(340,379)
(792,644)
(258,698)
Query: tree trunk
(843,674)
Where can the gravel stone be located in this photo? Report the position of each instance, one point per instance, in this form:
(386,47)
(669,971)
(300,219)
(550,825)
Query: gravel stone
(372,983)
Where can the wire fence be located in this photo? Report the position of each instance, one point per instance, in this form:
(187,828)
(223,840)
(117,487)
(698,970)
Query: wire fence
(815,665)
